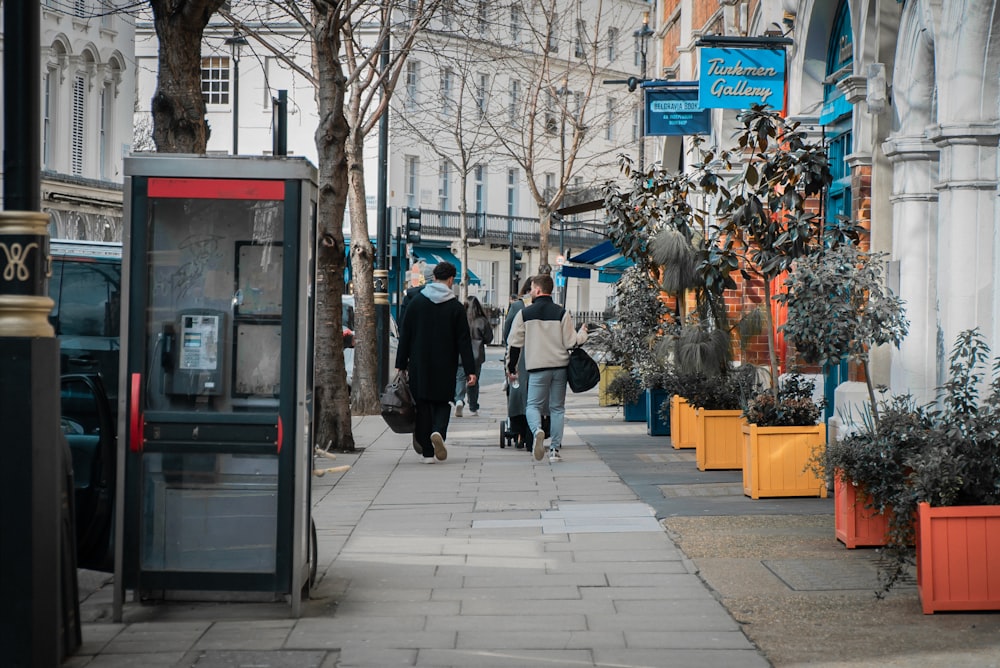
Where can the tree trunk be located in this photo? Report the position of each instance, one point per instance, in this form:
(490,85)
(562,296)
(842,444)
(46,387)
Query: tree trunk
(544,223)
(772,345)
(178,107)
(332,402)
(463,235)
(364,388)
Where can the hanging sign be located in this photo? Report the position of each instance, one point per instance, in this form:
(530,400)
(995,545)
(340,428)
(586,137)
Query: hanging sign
(673,111)
(738,78)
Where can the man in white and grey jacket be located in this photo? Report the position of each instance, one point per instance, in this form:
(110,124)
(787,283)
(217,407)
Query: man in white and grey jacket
(545,333)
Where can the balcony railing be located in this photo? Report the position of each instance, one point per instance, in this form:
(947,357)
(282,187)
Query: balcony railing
(497,229)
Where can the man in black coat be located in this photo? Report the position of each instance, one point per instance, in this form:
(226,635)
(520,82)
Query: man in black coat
(435,335)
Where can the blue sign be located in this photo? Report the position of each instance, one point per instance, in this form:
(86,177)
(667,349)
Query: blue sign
(672,111)
(738,78)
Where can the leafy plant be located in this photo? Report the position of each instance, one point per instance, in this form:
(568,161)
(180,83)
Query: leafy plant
(625,388)
(724,392)
(763,223)
(839,306)
(640,321)
(791,406)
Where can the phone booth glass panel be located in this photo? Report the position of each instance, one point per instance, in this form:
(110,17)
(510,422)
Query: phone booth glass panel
(219,269)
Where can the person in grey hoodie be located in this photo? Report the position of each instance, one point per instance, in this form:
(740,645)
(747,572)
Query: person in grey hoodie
(434,338)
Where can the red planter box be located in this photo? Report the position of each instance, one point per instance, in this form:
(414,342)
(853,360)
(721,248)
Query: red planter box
(958,558)
(855,524)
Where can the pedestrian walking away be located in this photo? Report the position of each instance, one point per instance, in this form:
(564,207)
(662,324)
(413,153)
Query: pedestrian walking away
(482,335)
(543,333)
(433,342)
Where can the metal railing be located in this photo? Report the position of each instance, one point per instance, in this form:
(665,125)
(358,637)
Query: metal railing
(497,229)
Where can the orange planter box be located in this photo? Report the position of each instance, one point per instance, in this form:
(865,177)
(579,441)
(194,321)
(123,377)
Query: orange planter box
(958,558)
(682,423)
(719,440)
(776,461)
(855,524)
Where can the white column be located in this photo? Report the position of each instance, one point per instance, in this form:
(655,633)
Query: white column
(914,367)
(966,222)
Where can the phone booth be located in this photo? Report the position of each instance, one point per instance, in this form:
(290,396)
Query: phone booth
(216,387)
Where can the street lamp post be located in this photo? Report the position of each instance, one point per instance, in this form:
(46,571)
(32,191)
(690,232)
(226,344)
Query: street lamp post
(643,34)
(236,44)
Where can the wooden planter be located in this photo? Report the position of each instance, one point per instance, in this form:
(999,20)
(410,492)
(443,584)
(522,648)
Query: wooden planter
(776,461)
(958,557)
(719,439)
(608,372)
(855,524)
(682,423)
(636,411)
(656,425)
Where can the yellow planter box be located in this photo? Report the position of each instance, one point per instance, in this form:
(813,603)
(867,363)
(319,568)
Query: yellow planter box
(608,372)
(776,461)
(682,423)
(719,439)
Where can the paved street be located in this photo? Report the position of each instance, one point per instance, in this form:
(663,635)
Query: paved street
(622,555)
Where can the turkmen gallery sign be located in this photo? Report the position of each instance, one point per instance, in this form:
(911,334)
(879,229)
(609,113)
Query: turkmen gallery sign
(738,78)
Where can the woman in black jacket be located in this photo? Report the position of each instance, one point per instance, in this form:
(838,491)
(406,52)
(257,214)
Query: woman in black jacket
(482,335)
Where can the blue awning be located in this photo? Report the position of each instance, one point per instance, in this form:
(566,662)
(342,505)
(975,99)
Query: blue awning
(603,257)
(434,256)
(601,251)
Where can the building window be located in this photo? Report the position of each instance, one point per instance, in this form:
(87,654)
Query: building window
(480,181)
(609,119)
(482,81)
(552,39)
(482,17)
(412,183)
(215,79)
(444,190)
(515,100)
(511,192)
(447,91)
(638,52)
(635,124)
(515,23)
(578,40)
(80,8)
(550,186)
(79,105)
(48,101)
(612,44)
(103,129)
(447,12)
(551,124)
(412,79)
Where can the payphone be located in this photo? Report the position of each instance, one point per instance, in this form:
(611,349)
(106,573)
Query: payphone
(216,388)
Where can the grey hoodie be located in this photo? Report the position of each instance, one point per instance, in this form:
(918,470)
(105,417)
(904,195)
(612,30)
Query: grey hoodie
(437,292)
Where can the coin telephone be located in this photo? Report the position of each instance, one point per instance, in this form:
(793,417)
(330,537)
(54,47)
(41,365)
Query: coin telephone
(196,355)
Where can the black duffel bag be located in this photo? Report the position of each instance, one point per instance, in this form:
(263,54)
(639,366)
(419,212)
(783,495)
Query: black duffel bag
(398,409)
(582,373)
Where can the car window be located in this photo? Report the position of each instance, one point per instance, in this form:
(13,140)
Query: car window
(87,298)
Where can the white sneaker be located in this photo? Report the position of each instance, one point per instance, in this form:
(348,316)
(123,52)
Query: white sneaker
(427,460)
(554,457)
(458,408)
(539,449)
(473,413)
(440,452)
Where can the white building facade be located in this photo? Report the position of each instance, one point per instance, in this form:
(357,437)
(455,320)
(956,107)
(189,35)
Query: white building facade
(424,171)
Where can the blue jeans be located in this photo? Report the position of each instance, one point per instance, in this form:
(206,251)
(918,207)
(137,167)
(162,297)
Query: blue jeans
(547,389)
(461,389)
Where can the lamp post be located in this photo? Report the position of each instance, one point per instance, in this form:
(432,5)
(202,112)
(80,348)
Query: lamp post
(643,34)
(236,44)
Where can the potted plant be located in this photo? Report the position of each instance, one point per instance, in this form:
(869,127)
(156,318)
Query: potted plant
(781,436)
(655,380)
(718,402)
(627,390)
(952,489)
(868,470)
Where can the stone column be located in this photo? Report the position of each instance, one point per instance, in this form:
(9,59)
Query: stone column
(914,240)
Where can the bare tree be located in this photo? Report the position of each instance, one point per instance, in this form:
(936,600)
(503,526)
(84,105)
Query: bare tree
(550,129)
(370,87)
(451,121)
(179,124)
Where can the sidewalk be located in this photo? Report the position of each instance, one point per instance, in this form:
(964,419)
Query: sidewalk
(493,559)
